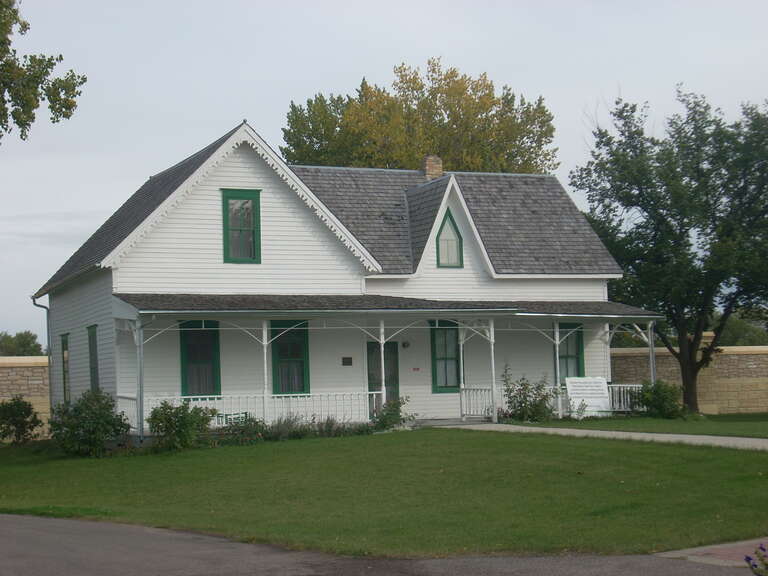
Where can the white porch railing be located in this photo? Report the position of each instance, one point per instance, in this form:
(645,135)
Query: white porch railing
(228,408)
(126,403)
(476,401)
(624,397)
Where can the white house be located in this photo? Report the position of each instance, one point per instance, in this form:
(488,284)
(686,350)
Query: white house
(237,281)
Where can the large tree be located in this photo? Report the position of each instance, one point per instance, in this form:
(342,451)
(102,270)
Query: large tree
(686,216)
(440,111)
(20,344)
(28,81)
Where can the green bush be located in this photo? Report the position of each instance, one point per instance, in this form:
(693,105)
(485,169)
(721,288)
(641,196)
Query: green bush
(391,415)
(250,430)
(179,427)
(332,428)
(89,426)
(525,400)
(291,427)
(18,420)
(244,431)
(661,400)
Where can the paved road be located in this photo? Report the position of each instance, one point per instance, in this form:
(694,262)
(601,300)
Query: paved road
(739,442)
(31,546)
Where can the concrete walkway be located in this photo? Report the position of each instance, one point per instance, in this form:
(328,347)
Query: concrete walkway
(739,442)
(31,546)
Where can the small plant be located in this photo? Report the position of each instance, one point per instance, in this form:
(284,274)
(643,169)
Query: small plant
(391,415)
(18,420)
(525,400)
(759,563)
(89,426)
(661,400)
(577,413)
(244,431)
(178,427)
(291,427)
(332,428)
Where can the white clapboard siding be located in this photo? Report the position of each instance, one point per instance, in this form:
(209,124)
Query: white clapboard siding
(474,282)
(82,303)
(183,253)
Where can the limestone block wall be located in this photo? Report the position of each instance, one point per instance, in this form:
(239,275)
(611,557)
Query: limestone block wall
(735,382)
(28,376)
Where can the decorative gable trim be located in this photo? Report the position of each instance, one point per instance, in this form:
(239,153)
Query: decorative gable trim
(244,135)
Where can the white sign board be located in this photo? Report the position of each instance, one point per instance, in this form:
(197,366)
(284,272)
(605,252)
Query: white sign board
(593,392)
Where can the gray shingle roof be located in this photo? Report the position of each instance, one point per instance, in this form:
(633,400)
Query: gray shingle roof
(528,223)
(323,302)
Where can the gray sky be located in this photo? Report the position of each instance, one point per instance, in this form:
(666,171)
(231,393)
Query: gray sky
(166,78)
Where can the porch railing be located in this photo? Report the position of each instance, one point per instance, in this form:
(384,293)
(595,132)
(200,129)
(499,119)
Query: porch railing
(126,403)
(624,397)
(476,401)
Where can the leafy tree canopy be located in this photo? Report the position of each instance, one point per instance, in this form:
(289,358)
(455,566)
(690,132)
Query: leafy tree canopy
(27,81)
(20,344)
(440,111)
(686,216)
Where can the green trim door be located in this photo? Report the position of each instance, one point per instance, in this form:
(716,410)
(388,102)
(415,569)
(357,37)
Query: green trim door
(200,358)
(391,369)
(290,357)
(571,351)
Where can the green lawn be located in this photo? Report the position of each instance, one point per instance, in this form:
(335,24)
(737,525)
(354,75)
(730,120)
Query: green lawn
(427,492)
(754,425)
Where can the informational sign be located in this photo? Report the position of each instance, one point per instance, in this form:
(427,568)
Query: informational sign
(591,393)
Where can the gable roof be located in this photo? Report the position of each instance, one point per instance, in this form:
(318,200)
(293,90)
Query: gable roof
(527,223)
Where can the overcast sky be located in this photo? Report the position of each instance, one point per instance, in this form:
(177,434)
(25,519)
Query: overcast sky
(166,78)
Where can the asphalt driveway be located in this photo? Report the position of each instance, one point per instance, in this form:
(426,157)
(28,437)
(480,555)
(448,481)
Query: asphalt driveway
(32,546)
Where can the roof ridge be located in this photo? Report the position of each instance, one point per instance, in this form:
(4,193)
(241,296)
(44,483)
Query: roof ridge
(357,168)
(216,143)
(505,174)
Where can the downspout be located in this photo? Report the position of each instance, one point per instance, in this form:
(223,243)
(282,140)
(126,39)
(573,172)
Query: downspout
(50,350)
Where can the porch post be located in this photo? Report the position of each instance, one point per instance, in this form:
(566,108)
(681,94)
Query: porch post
(382,341)
(462,334)
(492,341)
(264,347)
(140,380)
(558,388)
(651,353)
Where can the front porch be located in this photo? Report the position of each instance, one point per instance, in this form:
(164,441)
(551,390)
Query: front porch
(344,364)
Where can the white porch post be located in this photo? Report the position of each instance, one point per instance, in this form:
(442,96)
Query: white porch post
(462,335)
(651,353)
(492,342)
(557,370)
(264,348)
(140,379)
(382,341)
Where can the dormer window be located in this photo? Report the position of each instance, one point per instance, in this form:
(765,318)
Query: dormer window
(242,226)
(449,244)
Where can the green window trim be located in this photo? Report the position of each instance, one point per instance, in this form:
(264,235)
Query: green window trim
(435,327)
(93,356)
(65,366)
(448,219)
(574,331)
(213,326)
(277,329)
(228,194)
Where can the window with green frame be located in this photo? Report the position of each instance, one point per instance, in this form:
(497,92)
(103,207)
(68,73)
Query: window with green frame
(241,215)
(65,366)
(290,357)
(200,358)
(444,336)
(571,351)
(450,246)
(93,356)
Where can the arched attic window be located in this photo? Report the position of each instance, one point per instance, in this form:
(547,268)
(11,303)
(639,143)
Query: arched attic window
(450,249)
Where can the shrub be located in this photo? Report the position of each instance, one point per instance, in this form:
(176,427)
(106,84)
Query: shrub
(18,420)
(89,426)
(661,400)
(391,415)
(332,428)
(525,400)
(245,431)
(291,427)
(179,427)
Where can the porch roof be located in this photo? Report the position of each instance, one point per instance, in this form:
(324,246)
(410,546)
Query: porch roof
(259,303)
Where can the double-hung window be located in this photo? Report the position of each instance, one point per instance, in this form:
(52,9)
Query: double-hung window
(93,356)
(444,335)
(65,366)
(571,351)
(241,215)
(290,357)
(450,249)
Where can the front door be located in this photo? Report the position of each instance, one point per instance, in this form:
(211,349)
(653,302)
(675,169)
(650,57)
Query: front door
(391,369)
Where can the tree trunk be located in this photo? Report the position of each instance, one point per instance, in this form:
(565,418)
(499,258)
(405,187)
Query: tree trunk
(689,376)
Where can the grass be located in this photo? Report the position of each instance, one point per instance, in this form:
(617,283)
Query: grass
(752,425)
(423,493)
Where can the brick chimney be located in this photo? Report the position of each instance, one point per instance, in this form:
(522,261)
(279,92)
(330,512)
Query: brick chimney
(432,167)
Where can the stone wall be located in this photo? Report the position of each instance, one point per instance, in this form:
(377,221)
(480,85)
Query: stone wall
(28,376)
(735,382)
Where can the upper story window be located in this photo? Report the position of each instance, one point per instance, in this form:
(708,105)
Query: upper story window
(449,244)
(242,226)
